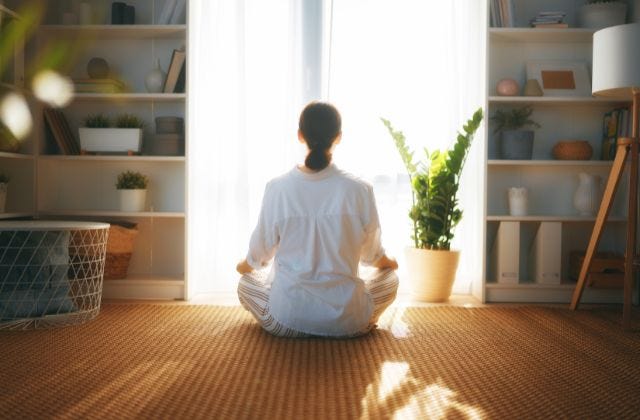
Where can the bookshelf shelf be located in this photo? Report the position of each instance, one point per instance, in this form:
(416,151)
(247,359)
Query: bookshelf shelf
(541,35)
(114,213)
(549,100)
(110,32)
(546,162)
(550,218)
(7,155)
(112,158)
(126,97)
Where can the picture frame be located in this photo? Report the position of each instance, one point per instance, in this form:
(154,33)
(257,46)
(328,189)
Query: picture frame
(560,77)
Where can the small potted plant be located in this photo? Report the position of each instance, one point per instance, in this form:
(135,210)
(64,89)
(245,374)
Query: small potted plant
(99,136)
(598,14)
(132,186)
(4,184)
(431,263)
(515,141)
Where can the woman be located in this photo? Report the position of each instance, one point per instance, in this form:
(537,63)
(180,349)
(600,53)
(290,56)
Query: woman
(317,223)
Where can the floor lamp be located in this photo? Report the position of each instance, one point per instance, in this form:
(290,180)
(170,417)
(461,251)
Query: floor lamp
(616,73)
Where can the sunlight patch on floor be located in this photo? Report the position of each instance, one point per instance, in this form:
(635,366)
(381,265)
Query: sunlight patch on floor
(396,394)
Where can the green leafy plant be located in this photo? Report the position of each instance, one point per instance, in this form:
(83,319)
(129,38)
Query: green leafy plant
(4,178)
(434,185)
(97,121)
(129,121)
(132,180)
(513,119)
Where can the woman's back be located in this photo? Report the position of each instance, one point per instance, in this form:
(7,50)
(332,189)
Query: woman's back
(324,224)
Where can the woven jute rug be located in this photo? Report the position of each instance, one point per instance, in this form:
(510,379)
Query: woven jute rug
(182,361)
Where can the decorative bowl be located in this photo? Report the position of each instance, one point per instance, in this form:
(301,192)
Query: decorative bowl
(572,150)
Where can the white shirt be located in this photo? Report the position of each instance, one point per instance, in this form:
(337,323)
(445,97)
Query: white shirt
(319,226)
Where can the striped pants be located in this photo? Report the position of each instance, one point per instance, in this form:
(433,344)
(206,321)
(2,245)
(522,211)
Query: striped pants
(253,293)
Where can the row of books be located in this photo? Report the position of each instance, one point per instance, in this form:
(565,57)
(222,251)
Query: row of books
(549,19)
(615,124)
(502,14)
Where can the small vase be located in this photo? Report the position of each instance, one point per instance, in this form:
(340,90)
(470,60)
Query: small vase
(154,81)
(518,201)
(586,198)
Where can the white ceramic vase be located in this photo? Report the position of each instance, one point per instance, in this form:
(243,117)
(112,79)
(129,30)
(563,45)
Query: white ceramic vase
(518,201)
(586,198)
(132,200)
(154,81)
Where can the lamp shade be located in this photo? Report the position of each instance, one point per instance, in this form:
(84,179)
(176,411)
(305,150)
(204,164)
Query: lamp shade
(616,61)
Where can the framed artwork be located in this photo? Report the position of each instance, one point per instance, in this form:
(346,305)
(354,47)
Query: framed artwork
(560,78)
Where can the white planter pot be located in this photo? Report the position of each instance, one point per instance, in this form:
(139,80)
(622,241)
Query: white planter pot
(132,200)
(3,196)
(603,15)
(110,140)
(431,273)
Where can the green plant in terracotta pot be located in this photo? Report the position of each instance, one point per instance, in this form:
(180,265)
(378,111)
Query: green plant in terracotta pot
(435,211)
(516,142)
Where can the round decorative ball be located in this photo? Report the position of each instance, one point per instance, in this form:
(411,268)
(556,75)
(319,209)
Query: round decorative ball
(98,68)
(507,87)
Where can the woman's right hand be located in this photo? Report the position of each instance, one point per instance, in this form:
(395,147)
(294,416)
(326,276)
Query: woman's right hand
(386,262)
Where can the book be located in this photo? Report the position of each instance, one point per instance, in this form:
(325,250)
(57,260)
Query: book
(545,253)
(178,59)
(506,253)
(59,129)
(182,80)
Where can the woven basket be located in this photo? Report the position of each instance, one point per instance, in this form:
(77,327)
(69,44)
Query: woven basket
(119,249)
(572,150)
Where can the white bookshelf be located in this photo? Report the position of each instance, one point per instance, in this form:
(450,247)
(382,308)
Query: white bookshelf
(551,183)
(57,186)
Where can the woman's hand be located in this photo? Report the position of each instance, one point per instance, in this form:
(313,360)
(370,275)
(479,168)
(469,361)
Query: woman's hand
(243,267)
(386,262)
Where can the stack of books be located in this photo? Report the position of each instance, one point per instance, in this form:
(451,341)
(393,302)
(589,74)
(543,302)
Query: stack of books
(553,19)
(99,86)
(615,124)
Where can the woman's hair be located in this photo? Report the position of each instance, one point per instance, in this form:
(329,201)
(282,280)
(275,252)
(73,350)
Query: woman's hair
(320,124)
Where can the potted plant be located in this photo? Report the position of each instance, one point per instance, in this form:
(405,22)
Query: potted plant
(515,142)
(132,186)
(97,135)
(4,184)
(431,263)
(600,14)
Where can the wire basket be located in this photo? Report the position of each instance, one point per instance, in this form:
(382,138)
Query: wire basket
(50,273)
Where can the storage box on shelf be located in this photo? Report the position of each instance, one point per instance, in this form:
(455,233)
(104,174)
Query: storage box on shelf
(83,186)
(551,184)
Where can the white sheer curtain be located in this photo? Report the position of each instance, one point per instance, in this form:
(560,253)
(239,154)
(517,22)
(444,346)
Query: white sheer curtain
(243,79)
(420,65)
(252,67)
